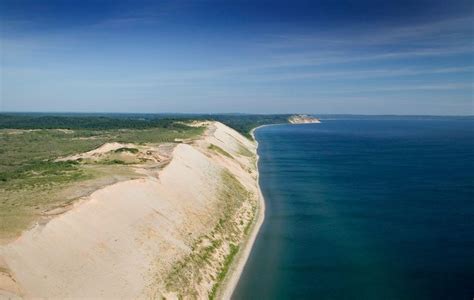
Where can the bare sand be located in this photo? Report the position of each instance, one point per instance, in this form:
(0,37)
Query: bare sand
(146,238)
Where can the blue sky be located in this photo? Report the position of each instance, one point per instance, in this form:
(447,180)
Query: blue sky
(360,57)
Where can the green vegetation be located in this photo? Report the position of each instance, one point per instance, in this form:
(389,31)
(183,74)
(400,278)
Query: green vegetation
(114,162)
(125,149)
(220,150)
(84,121)
(39,169)
(245,152)
(189,271)
(234,249)
(243,123)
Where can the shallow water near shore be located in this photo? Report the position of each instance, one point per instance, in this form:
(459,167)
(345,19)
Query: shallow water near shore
(365,209)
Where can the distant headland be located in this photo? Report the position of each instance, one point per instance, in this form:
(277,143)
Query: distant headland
(303,119)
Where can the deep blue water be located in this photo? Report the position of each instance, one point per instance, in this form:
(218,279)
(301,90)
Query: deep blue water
(365,209)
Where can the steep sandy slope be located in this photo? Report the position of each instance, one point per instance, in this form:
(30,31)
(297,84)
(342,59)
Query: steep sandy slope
(167,235)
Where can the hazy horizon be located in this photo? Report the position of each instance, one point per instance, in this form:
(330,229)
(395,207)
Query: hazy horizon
(272,57)
(230,113)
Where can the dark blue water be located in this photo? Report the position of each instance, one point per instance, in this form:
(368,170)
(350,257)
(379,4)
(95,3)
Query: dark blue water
(365,209)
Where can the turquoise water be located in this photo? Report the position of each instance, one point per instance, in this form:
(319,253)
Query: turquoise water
(365,209)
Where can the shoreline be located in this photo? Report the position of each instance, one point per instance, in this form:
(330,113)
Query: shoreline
(239,264)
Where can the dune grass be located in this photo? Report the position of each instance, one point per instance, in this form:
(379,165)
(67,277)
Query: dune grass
(234,249)
(245,152)
(215,250)
(127,149)
(219,150)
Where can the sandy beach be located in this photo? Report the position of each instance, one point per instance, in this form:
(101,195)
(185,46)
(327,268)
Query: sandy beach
(182,231)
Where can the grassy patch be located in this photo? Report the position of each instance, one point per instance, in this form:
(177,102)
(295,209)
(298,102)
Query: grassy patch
(234,249)
(189,271)
(245,152)
(219,150)
(35,170)
(155,135)
(113,162)
(250,224)
(126,149)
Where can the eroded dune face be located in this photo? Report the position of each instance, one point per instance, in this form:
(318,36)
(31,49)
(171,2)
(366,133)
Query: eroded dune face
(166,235)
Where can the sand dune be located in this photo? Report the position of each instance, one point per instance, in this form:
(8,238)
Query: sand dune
(142,238)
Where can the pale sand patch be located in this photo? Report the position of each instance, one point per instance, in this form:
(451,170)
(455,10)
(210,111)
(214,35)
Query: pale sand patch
(9,289)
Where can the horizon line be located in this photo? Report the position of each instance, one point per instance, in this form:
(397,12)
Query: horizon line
(232,113)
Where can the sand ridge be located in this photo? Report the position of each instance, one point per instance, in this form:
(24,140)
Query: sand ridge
(123,241)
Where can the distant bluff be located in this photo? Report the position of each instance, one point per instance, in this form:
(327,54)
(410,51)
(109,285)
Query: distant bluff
(303,119)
